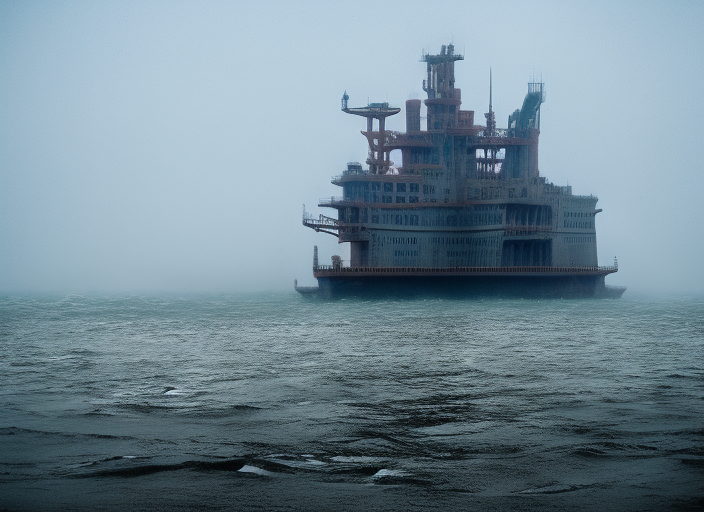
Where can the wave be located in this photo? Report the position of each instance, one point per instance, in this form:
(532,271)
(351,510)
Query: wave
(241,465)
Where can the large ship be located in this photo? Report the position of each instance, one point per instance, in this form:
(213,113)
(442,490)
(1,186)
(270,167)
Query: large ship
(466,212)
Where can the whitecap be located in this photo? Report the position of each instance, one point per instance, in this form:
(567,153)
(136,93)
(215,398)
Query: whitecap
(382,473)
(253,469)
(175,392)
(171,390)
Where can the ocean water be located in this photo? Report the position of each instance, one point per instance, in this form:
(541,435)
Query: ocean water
(274,402)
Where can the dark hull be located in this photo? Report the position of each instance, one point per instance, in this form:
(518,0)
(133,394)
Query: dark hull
(570,286)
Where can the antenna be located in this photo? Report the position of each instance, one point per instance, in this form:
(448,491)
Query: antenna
(490,87)
(490,118)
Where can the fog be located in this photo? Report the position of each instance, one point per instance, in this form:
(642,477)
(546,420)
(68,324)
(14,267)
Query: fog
(169,147)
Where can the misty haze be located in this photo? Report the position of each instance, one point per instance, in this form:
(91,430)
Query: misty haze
(151,148)
(155,160)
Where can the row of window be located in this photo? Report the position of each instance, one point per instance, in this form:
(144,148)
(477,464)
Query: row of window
(398,219)
(405,253)
(579,214)
(399,199)
(478,257)
(476,219)
(400,187)
(471,258)
(398,240)
(472,241)
(577,239)
(437,240)
(494,193)
(359,192)
(578,225)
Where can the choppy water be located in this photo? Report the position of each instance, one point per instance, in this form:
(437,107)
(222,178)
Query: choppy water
(276,403)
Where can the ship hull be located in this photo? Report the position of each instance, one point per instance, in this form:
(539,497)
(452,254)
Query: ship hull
(463,286)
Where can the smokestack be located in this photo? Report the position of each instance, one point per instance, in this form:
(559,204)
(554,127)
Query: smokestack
(413,115)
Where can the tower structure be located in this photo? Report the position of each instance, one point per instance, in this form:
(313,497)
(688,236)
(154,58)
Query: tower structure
(378,159)
(444,99)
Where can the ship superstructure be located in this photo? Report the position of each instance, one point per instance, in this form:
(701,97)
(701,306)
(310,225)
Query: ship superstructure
(467,211)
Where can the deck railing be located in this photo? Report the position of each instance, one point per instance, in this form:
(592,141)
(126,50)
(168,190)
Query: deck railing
(320,222)
(469,270)
(330,201)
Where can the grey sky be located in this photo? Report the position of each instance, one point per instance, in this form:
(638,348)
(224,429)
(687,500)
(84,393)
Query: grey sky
(166,146)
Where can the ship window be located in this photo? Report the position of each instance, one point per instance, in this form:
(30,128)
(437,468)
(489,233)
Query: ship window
(376,186)
(388,187)
(386,199)
(399,219)
(400,187)
(400,199)
(413,187)
(375,219)
(412,199)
